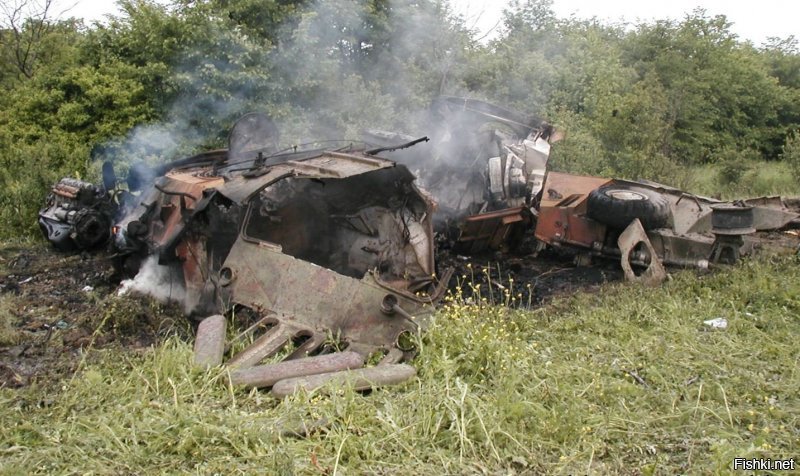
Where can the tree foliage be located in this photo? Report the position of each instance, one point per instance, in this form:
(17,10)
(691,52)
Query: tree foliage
(642,101)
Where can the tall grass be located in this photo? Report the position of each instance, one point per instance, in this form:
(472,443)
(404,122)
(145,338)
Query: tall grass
(756,179)
(627,380)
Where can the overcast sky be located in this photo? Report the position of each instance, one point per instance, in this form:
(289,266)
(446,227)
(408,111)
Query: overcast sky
(752,20)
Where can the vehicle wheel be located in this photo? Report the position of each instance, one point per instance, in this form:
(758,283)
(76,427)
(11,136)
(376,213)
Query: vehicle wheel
(618,205)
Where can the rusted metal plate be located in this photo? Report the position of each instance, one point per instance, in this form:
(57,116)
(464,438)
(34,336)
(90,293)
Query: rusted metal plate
(557,226)
(240,188)
(491,230)
(683,250)
(313,297)
(558,186)
(771,213)
(562,211)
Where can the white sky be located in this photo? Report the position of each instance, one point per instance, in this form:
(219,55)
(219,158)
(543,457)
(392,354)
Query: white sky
(752,20)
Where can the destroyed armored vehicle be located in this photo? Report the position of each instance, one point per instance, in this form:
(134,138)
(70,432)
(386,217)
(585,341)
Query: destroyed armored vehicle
(487,168)
(645,224)
(257,227)
(337,244)
(325,249)
(320,243)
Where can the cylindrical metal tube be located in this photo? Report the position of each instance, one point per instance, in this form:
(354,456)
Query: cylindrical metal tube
(266,345)
(360,379)
(209,345)
(267,375)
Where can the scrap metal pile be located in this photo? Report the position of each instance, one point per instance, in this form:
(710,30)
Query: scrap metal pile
(332,250)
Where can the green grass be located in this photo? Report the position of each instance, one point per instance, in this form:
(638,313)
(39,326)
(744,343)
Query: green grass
(9,332)
(627,380)
(758,179)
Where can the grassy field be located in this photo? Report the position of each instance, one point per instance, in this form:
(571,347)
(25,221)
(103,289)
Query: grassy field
(628,380)
(756,179)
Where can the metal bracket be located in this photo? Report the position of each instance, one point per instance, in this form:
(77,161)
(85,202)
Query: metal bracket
(628,241)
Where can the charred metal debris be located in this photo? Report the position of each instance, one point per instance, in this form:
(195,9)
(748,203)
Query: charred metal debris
(332,250)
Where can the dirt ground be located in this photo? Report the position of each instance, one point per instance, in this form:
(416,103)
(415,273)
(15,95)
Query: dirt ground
(57,305)
(54,306)
(531,279)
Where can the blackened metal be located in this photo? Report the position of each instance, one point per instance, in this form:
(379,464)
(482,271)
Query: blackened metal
(397,147)
(732,220)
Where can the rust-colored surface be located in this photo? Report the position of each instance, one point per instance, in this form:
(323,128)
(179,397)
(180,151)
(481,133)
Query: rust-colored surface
(359,379)
(311,297)
(562,211)
(560,186)
(268,375)
(179,194)
(491,230)
(317,239)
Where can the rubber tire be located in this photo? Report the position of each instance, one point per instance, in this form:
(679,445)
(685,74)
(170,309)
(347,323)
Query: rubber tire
(609,206)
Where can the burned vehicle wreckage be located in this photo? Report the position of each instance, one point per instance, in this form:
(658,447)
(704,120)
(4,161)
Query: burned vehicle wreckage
(339,244)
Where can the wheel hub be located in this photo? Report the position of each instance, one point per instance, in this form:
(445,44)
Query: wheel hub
(625,195)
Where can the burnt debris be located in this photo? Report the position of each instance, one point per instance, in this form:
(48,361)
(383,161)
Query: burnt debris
(339,244)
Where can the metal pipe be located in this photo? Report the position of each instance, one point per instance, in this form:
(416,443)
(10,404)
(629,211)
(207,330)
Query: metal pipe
(209,345)
(168,192)
(268,375)
(359,379)
(394,356)
(311,344)
(263,347)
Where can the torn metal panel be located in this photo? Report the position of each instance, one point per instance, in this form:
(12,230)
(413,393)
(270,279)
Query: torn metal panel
(559,186)
(771,213)
(492,230)
(313,297)
(689,250)
(240,188)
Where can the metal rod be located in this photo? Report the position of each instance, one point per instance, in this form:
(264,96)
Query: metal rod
(268,375)
(209,345)
(263,347)
(360,379)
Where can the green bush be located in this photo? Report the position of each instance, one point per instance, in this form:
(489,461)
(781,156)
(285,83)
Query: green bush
(734,165)
(791,153)
(27,172)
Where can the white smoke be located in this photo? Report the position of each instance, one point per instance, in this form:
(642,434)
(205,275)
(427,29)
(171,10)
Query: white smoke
(160,282)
